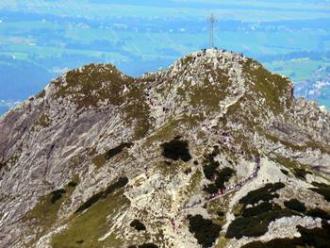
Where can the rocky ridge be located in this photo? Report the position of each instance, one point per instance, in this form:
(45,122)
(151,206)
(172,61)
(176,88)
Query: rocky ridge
(212,152)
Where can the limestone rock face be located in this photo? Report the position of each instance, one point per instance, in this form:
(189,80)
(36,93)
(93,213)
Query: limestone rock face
(212,152)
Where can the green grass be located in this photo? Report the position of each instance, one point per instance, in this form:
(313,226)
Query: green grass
(167,131)
(120,183)
(195,180)
(171,129)
(96,83)
(137,110)
(299,170)
(89,80)
(84,230)
(207,95)
(44,215)
(268,85)
(193,185)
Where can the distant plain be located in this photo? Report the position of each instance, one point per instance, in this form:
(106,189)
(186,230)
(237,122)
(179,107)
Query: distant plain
(41,39)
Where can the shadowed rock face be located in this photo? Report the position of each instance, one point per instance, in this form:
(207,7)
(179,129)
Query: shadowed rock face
(209,137)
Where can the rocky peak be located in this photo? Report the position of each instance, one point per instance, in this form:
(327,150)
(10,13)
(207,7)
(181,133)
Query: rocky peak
(212,152)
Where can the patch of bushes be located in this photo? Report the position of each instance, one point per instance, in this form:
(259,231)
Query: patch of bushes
(322,189)
(221,178)
(254,221)
(43,121)
(295,205)
(176,149)
(255,226)
(266,193)
(204,230)
(300,173)
(101,159)
(56,195)
(138,225)
(285,172)
(211,188)
(72,184)
(261,208)
(317,238)
(210,167)
(318,213)
(147,245)
(121,182)
(210,170)
(114,151)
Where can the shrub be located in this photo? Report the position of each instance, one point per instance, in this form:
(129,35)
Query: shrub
(148,245)
(118,149)
(265,193)
(101,159)
(318,213)
(56,195)
(211,188)
(72,184)
(261,208)
(223,176)
(300,173)
(317,237)
(205,231)
(138,225)
(254,226)
(296,205)
(176,149)
(210,170)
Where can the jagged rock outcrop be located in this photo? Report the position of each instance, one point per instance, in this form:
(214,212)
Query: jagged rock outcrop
(212,152)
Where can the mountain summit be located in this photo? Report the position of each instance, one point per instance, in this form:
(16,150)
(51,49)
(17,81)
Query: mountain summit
(214,151)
